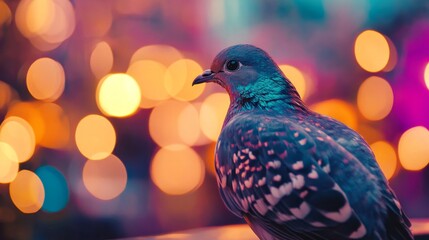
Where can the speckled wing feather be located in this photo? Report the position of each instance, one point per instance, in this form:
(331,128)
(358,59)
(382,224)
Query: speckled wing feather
(276,173)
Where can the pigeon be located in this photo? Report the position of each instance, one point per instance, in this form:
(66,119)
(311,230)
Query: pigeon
(292,173)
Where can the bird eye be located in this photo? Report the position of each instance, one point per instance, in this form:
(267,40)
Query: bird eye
(232,65)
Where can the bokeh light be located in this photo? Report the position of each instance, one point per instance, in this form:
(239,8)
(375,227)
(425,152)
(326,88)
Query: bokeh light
(212,114)
(57,126)
(179,78)
(338,109)
(174,122)
(56,189)
(118,95)
(5,95)
(188,125)
(101,60)
(177,169)
(5,14)
(163,54)
(49,122)
(189,113)
(46,79)
(375,98)
(426,75)
(19,135)
(27,192)
(372,51)
(95,137)
(29,111)
(297,78)
(46,23)
(386,157)
(105,179)
(150,76)
(413,148)
(9,165)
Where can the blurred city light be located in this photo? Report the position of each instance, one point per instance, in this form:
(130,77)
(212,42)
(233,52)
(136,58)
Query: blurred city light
(101,60)
(163,54)
(338,109)
(177,169)
(372,51)
(149,75)
(46,23)
(57,126)
(30,112)
(297,79)
(95,137)
(188,126)
(179,78)
(212,113)
(9,164)
(386,157)
(118,95)
(19,135)
(5,94)
(49,122)
(46,79)
(56,189)
(5,14)
(173,122)
(105,179)
(413,148)
(27,192)
(375,98)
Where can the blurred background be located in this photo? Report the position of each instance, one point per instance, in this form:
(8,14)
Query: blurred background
(102,135)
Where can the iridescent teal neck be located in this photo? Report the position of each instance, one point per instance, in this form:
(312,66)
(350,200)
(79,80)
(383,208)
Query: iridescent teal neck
(272,94)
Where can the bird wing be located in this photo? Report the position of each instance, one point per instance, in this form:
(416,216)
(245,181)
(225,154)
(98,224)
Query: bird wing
(277,172)
(396,222)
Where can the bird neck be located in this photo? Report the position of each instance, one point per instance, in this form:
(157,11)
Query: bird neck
(286,101)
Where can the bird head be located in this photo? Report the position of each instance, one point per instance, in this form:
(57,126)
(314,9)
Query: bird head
(251,77)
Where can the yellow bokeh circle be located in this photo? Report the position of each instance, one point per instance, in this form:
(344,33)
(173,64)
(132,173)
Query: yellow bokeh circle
(46,79)
(372,51)
(212,114)
(297,79)
(19,134)
(177,169)
(375,98)
(338,109)
(95,137)
(9,164)
(27,192)
(413,148)
(118,95)
(386,157)
(179,78)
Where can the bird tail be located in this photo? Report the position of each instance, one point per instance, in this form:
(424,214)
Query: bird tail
(398,230)
(397,224)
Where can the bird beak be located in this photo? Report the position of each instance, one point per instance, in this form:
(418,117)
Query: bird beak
(207,76)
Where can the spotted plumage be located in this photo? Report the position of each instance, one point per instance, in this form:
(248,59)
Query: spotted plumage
(290,172)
